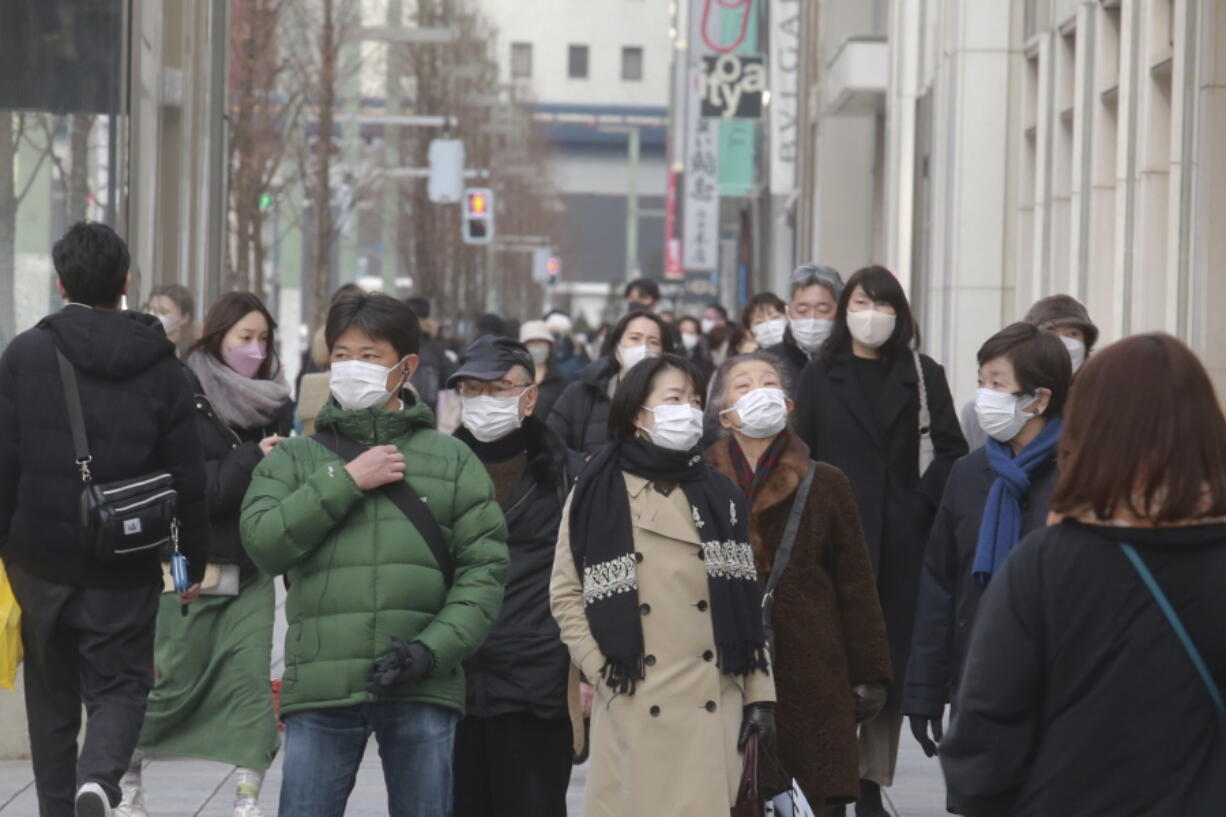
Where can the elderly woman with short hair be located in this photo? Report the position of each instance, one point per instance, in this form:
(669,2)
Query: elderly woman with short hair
(832,659)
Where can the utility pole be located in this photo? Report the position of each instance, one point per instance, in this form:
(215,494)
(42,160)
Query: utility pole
(389,255)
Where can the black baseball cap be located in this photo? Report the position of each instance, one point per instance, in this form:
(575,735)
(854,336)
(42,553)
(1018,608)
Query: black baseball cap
(489,358)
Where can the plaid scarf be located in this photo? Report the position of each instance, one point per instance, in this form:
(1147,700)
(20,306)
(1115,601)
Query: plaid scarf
(751,480)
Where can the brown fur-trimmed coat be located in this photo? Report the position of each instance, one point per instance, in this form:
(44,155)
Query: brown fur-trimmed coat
(829,630)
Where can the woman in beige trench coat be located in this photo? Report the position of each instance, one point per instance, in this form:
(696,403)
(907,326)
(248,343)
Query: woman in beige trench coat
(671,745)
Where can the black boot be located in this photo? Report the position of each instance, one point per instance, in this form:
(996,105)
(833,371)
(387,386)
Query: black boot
(869,804)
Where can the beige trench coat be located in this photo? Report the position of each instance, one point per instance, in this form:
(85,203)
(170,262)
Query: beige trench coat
(671,747)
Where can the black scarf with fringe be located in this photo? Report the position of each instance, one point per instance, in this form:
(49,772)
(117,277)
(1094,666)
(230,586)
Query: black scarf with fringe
(602,543)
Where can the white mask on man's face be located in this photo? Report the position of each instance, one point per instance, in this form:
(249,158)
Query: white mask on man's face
(358,385)
(490,418)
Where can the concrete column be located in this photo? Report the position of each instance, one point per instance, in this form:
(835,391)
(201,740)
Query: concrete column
(1208,330)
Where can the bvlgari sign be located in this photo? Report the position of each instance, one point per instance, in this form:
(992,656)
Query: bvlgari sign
(732,86)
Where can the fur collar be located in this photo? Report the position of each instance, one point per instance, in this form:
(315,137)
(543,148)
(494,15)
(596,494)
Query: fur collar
(780,484)
(545,452)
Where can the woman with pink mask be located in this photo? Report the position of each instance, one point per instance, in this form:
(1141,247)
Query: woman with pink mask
(212,698)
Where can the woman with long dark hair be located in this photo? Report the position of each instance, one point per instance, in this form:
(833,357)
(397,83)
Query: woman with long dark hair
(881,412)
(1094,677)
(580,416)
(656,595)
(212,698)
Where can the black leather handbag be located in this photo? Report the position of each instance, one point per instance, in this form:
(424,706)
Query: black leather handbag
(122,518)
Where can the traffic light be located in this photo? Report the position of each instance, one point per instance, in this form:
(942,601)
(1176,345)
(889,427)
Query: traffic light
(478,226)
(554,267)
(546,267)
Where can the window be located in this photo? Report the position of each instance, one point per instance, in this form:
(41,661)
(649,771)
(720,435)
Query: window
(632,63)
(521,60)
(577,62)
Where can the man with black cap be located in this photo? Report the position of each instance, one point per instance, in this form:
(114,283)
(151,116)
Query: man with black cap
(513,749)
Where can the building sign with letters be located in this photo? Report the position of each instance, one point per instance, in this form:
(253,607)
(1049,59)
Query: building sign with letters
(732,86)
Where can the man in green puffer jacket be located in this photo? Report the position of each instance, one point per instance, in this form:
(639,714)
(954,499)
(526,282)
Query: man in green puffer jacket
(376,637)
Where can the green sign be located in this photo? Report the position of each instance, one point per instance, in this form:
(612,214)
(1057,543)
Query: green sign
(738,140)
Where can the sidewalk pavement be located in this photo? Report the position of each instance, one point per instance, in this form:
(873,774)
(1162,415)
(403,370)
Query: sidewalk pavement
(196,788)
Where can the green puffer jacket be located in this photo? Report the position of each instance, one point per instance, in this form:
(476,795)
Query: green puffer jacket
(360,573)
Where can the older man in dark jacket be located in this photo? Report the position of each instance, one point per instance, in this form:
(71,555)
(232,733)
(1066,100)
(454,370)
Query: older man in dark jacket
(513,749)
(88,625)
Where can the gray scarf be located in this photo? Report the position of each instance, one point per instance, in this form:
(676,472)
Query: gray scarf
(240,402)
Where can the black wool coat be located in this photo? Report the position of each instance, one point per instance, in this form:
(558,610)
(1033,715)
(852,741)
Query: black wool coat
(230,456)
(1078,699)
(551,389)
(877,448)
(137,403)
(523,666)
(948,593)
(581,415)
(792,356)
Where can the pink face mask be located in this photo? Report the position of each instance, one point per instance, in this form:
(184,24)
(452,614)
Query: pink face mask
(246,360)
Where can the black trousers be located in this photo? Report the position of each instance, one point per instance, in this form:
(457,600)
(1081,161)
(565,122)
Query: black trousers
(514,765)
(88,645)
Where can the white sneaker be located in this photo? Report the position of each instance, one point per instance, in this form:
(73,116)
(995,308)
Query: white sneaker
(248,810)
(133,804)
(92,802)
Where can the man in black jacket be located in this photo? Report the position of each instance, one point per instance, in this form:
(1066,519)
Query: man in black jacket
(513,750)
(88,625)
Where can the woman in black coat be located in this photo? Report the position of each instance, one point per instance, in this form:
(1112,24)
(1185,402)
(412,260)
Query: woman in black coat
(995,495)
(212,699)
(581,415)
(858,408)
(1079,697)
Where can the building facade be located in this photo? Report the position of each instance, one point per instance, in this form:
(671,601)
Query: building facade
(1011,149)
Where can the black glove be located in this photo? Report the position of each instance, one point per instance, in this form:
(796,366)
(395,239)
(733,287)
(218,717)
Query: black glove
(406,664)
(920,724)
(870,699)
(759,718)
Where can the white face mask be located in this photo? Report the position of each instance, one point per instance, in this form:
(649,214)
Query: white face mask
(1001,416)
(707,325)
(631,356)
(689,340)
(678,428)
(1076,351)
(811,333)
(770,333)
(357,384)
(870,327)
(169,324)
(763,413)
(540,353)
(490,418)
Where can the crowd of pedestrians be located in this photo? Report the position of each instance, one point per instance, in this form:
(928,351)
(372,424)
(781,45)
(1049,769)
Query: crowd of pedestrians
(660,547)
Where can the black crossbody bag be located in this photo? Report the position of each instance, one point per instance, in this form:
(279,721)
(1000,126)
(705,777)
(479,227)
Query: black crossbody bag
(123,518)
(784,555)
(404,498)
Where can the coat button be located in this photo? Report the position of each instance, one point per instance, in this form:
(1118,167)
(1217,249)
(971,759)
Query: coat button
(710,707)
(961,623)
(655,711)
(650,660)
(708,656)
(645,609)
(702,606)
(638,557)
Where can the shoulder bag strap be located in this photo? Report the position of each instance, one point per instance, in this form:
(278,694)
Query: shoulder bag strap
(1171,616)
(784,554)
(405,499)
(76,417)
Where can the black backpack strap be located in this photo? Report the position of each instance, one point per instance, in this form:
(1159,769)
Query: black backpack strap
(403,497)
(76,416)
(784,554)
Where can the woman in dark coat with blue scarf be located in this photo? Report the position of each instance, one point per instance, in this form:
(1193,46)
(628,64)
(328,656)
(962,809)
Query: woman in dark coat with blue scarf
(995,495)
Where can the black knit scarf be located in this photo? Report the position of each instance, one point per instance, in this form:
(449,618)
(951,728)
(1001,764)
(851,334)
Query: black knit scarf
(602,542)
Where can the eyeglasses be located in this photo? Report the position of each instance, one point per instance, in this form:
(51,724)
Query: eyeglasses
(491,388)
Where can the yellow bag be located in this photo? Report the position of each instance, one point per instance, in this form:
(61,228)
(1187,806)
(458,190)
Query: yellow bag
(10,632)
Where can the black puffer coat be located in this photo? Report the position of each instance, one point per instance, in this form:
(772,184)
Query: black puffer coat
(948,594)
(523,666)
(581,415)
(230,455)
(1078,699)
(137,403)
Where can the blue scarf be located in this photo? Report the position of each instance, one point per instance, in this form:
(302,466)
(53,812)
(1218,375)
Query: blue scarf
(1002,516)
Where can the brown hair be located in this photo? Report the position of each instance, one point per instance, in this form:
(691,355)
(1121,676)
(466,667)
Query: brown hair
(1156,449)
(229,309)
(759,301)
(1039,361)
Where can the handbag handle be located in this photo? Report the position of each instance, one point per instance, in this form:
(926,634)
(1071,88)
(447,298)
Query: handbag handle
(1180,631)
(748,791)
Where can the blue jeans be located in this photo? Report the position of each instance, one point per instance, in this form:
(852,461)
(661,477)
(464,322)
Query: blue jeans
(324,747)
